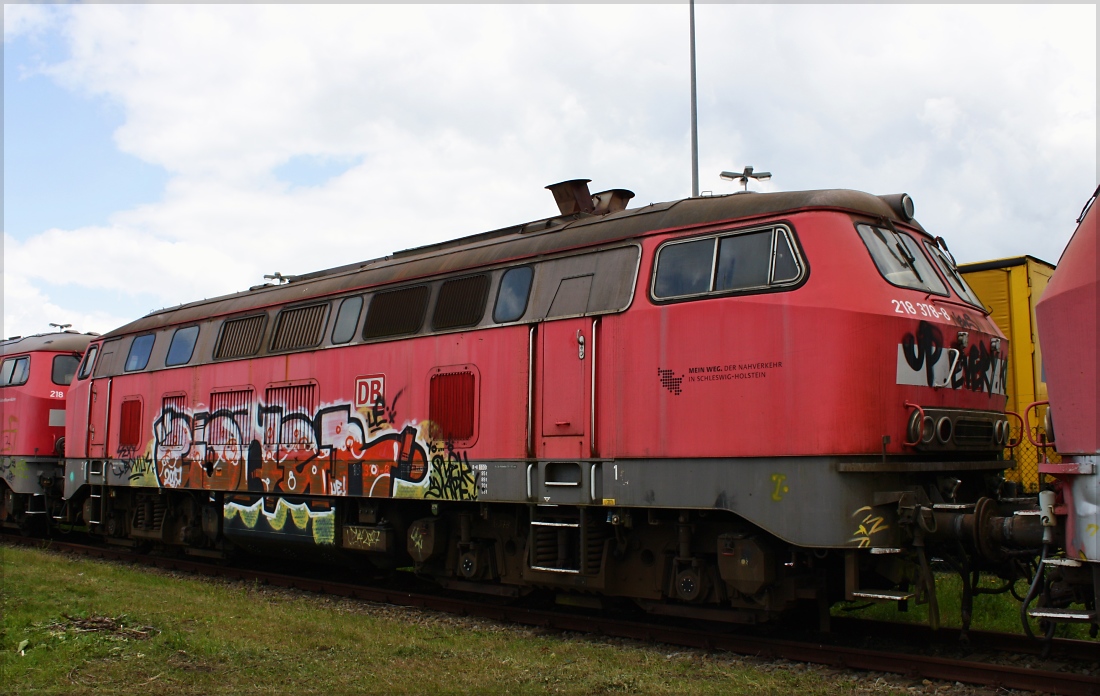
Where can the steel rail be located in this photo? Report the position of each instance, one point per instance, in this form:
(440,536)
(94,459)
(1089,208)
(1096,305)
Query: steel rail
(815,651)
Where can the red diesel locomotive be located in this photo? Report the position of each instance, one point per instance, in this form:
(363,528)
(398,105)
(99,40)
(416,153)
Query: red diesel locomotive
(1068,316)
(722,406)
(35,373)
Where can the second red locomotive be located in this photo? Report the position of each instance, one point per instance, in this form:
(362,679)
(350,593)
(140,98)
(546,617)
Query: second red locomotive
(35,373)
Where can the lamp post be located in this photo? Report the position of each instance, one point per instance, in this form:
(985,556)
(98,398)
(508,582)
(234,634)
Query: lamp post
(744,176)
(694,115)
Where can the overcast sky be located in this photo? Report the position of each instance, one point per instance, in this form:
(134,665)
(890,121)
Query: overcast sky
(161,154)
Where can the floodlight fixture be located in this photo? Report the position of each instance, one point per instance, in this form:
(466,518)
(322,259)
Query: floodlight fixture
(745,175)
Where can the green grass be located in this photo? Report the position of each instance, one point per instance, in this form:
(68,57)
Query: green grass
(226,637)
(991,612)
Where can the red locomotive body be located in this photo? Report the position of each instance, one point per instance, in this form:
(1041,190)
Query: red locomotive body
(1067,318)
(737,402)
(35,373)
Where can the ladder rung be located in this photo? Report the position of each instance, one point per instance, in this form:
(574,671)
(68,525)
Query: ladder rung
(554,524)
(1064,562)
(883,595)
(556,570)
(1063,615)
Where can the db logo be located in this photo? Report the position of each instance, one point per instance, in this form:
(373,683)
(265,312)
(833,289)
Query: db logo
(370,391)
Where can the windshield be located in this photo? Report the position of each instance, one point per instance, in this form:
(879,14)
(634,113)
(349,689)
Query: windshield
(954,278)
(899,259)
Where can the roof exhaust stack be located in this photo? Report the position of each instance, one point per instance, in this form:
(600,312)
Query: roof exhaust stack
(611,201)
(572,196)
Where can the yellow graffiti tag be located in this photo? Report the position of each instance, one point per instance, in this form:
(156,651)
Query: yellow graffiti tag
(417,537)
(365,537)
(780,487)
(1092,529)
(870,525)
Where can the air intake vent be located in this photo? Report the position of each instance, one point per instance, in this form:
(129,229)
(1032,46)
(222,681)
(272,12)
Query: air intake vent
(173,427)
(230,420)
(396,313)
(970,431)
(288,416)
(240,337)
(129,430)
(299,327)
(461,303)
(451,406)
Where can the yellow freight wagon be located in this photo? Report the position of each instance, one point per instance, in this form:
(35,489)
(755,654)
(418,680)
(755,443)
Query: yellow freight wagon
(1009,289)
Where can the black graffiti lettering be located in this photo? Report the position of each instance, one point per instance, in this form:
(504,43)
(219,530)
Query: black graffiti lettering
(964,321)
(923,349)
(452,477)
(130,465)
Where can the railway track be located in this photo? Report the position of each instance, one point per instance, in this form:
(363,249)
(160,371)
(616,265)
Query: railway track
(841,649)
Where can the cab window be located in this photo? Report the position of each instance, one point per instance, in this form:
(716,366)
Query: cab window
(900,260)
(753,260)
(15,371)
(64,367)
(951,273)
(89,362)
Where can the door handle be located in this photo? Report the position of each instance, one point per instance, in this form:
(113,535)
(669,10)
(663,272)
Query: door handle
(580,345)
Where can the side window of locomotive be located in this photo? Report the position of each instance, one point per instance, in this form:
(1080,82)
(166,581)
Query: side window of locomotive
(182,346)
(15,371)
(512,297)
(89,362)
(785,267)
(743,261)
(954,278)
(756,260)
(396,312)
(900,260)
(64,368)
(347,319)
(138,357)
(684,268)
(461,303)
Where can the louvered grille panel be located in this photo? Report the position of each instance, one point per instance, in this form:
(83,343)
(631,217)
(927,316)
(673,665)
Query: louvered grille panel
(396,313)
(129,428)
(288,413)
(451,407)
(240,337)
(230,418)
(461,303)
(300,327)
(173,409)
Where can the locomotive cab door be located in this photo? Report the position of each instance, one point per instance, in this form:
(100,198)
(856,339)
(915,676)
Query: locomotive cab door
(99,404)
(99,417)
(565,362)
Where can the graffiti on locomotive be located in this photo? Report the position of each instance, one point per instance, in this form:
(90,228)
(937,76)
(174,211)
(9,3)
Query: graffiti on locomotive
(359,448)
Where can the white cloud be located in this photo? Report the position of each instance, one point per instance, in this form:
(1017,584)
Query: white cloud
(28,310)
(941,115)
(458,116)
(27,18)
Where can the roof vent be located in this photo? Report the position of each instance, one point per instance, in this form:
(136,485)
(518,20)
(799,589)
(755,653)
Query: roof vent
(611,201)
(572,196)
